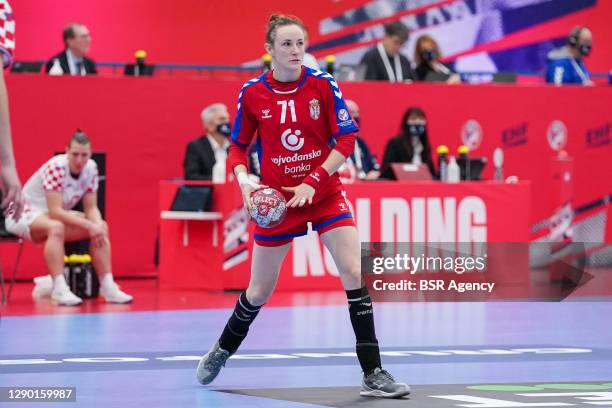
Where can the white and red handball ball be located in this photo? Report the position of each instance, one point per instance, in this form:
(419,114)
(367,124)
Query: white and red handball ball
(269,207)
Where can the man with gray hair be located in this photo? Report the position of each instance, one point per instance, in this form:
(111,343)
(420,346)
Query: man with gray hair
(72,61)
(206,156)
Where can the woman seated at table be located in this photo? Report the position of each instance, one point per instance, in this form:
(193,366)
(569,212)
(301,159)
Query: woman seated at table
(411,145)
(427,56)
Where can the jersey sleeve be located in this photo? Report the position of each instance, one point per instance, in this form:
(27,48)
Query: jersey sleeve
(7,33)
(341,124)
(92,185)
(243,130)
(53,177)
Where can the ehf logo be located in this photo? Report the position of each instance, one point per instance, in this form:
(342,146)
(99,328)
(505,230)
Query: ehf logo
(471,134)
(343,114)
(292,141)
(265,114)
(515,136)
(557,135)
(315,109)
(599,136)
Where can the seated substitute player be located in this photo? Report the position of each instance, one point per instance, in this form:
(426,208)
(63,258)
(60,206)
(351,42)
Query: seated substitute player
(295,110)
(50,194)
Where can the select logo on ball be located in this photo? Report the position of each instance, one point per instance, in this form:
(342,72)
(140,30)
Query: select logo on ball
(269,207)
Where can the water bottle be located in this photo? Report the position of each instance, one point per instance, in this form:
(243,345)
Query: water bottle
(266,59)
(463,151)
(442,154)
(330,60)
(67,268)
(56,68)
(74,261)
(453,171)
(87,272)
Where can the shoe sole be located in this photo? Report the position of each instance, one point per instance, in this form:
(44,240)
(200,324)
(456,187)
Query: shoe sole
(119,303)
(58,303)
(382,394)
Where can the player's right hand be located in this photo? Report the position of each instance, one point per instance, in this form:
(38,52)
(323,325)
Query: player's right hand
(98,234)
(247,187)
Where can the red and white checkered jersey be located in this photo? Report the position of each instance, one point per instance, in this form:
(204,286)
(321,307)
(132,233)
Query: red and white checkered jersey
(296,124)
(55,175)
(7,32)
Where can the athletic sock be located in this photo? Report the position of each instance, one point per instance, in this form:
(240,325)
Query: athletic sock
(362,319)
(238,324)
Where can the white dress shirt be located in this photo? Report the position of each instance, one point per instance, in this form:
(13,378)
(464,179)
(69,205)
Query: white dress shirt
(218,171)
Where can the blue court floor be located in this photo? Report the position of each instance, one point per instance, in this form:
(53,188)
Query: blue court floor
(148,359)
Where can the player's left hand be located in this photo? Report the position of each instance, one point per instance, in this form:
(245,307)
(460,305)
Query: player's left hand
(302,194)
(11,191)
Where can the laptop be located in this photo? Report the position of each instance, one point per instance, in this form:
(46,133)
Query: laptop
(410,172)
(504,78)
(350,73)
(130,70)
(433,76)
(193,198)
(27,66)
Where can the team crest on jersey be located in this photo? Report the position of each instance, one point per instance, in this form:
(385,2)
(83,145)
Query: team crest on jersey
(315,109)
(265,114)
(343,114)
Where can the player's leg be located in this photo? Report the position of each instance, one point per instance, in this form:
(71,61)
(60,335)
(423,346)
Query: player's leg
(52,233)
(343,244)
(265,267)
(101,259)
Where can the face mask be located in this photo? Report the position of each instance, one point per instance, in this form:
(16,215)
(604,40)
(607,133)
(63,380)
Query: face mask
(357,120)
(585,49)
(429,55)
(225,129)
(415,130)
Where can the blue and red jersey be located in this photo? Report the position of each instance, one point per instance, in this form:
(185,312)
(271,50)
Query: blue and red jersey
(294,124)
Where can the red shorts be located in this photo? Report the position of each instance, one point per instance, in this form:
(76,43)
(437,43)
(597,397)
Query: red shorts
(325,215)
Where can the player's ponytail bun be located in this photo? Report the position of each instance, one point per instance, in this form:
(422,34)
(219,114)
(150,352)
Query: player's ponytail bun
(280,20)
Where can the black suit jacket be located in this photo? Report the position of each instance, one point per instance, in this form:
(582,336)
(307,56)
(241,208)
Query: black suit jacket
(199,160)
(399,150)
(375,67)
(88,63)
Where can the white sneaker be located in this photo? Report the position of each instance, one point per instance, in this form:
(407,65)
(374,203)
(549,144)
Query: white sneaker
(113,294)
(43,286)
(65,297)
